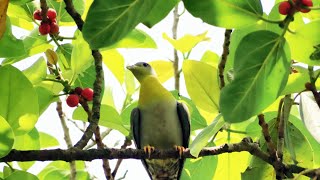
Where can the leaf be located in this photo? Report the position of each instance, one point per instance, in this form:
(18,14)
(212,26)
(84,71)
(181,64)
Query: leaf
(115,19)
(60,7)
(64,54)
(267,65)
(3,11)
(29,141)
(159,11)
(86,78)
(59,165)
(115,63)
(222,13)
(129,82)
(20,17)
(164,69)
(21,175)
(126,113)
(18,100)
(210,58)
(109,117)
(296,83)
(10,45)
(205,135)
(302,42)
(6,137)
(187,42)
(310,113)
(202,168)
(202,86)
(37,71)
(46,140)
(135,39)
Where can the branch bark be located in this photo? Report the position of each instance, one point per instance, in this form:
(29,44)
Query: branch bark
(175,53)
(224,56)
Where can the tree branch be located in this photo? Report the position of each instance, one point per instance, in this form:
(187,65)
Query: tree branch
(224,56)
(175,53)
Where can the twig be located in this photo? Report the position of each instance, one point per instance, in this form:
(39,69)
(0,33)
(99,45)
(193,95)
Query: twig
(103,135)
(127,142)
(73,170)
(175,52)
(265,131)
(44,9)
(224,56)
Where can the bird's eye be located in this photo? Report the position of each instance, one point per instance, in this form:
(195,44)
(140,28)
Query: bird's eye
(145,64)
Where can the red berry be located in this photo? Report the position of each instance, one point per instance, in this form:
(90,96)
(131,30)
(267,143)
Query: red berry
(73,100)
(44,28)
(52,14)
(54,28)
(284,7)
(87,93)
(307,3)
(78,90)
(37,14)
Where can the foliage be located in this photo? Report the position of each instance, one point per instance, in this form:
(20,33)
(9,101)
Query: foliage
(271,55)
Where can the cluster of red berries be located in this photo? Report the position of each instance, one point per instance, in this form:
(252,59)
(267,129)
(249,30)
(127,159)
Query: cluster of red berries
(74,98)
(47,27)
(299,5)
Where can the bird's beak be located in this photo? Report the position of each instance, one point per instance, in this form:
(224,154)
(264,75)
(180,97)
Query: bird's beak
(130,67)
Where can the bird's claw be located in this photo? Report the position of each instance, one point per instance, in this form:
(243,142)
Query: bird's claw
(148,149)
(180,149)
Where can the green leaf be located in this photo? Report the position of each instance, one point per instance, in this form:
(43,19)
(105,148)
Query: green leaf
(202,86)
(126,113)
(86,78)
(296,83)
(60,7)
(6,137)
(222,13)
(164,69)
(267,65)
(115,63)
(10,45)
(202,139)
(159,11)
(115,19)
(129,82)
(59,165)
(210,58)
(46,140)
(64,54)
(20,17)
(45,98)
(202,168)
(18,100)
(57,174)
(135,39)
(302,42)
(109,117)
(21,175)
(81,57)
(37,71)
(187,42)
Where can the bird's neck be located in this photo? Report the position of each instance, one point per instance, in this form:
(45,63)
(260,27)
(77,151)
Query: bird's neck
(152,91)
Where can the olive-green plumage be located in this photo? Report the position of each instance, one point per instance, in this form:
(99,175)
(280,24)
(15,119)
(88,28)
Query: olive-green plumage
(158,121)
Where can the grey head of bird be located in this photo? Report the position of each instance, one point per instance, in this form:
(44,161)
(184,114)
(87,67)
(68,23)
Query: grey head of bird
(141,70)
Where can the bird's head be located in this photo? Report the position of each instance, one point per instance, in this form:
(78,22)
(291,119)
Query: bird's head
(141,70)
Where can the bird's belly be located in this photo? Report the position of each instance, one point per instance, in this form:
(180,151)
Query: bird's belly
(160,126)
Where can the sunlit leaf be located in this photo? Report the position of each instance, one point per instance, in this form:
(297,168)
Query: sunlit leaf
(46,140)
(129,82)
(20,17)
(37,71)
(115,63)
(266,65)
(6,137)
(62,14)
(164,69)
(187,42)
(210,58)
(21,175)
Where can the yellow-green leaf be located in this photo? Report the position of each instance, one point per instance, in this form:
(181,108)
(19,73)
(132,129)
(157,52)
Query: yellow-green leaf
(6,137)
(115,62)
(210,58)
(164,69)
(187,42)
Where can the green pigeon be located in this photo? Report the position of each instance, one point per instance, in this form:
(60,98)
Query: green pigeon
(158,122)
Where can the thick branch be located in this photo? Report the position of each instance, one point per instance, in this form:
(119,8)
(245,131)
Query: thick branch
(224,56)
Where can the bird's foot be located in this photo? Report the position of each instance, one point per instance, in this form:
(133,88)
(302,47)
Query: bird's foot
(148,149)
(180,149)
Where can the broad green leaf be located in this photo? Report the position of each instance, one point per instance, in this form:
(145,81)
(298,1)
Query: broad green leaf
(135,39)
(126,113)
(46,140)
(115,63)
(202,139)
(222,13)
(202,86)
(86,78)
(187,42)
(164,69)
(159,11)
(21,175)
(266,65)
(109,117)
(18,100)
(202,168)
(37,71)
(108,98)
(29,141)
(62,14)
(45,98)
(64,54)
(296,83)
(109,21)
(56,165)
(129,82)
(210,58)
(19,17)
(310,113)
(6,137)
(81,57)
(302,42)
(57,174)
(10,45)
(7,171)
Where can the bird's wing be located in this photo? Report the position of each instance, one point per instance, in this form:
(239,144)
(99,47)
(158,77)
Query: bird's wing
(184,119)
(135,122)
